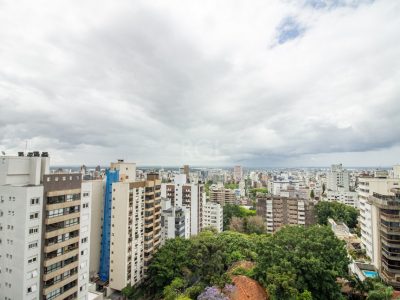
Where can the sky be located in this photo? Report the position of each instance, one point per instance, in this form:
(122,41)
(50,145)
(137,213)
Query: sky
(206,83)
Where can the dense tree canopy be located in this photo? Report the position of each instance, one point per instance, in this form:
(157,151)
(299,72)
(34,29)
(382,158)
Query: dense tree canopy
(337,211)
(298,259)
(201,260)
(295,263)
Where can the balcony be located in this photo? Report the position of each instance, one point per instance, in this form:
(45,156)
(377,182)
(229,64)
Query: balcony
(60,284)
(60,271)
(63,204)
(66,255)
(62,218)
(60,231)
(51,248)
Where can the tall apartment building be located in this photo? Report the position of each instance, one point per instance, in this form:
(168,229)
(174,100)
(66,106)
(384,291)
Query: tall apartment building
(131,226)
(213,216)
(95,189)
(222,196)
(385,212)
(367,186)
(237,173)
(189,196)
(279,211)
(21,209)
(338,178)
(66,228)
(46,246)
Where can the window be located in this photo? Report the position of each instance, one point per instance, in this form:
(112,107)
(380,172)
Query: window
(84,240)
(34,201)
(33,245)
(32,259)
(85,205)
(33,230)
(86,194)
(34,215)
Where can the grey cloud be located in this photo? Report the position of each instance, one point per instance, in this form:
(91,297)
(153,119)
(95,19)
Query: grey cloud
(148,85)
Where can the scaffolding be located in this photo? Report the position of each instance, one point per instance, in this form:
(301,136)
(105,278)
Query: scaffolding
(111,177)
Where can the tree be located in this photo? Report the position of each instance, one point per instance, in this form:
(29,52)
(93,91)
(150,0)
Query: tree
(312,196)
(175,289)
(337,211)
(297,258)
(323,188)
(237,224)
(169,262)
(255,224)
(233,210)
(128,292)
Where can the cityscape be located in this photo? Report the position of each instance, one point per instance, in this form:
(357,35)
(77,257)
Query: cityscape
(200,150)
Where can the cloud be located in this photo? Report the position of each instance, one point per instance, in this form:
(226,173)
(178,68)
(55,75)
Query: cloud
(198,82)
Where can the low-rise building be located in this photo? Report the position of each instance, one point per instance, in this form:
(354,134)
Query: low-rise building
(213,216)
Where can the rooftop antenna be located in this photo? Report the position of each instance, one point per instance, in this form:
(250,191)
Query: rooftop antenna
(2,152)
(26,146)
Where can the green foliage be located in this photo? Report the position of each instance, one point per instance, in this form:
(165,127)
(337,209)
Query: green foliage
(231,186)
(129,292)
(175,289)
(312,194)
(203,259)
(253,192)
(337,211)
(169,263)
(306,295)
(233,210)
(296,259)
(380,291)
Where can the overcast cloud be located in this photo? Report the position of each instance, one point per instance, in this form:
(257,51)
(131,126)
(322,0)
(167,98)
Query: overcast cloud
(259,83)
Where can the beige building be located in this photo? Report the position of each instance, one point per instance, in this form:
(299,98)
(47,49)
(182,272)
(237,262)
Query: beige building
(367,186)
(222,196)
(278,211)
(65,244)
(385,212)
(135,225)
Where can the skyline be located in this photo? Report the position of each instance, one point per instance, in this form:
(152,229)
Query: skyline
(278,84)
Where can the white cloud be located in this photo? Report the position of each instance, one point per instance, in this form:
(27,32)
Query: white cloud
(201,82)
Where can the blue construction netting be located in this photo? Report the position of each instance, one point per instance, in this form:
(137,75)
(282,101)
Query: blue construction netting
(111,177)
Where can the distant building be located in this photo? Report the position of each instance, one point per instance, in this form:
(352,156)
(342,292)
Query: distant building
(213,216)
(186,170)
(338,178)
(346,197)
(237,173)
(222,196)
(279,211)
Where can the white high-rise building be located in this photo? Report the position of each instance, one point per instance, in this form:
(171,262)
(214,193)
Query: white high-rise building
(338,178)
(213,216)
(21,206)
(189,196)
(367,186)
